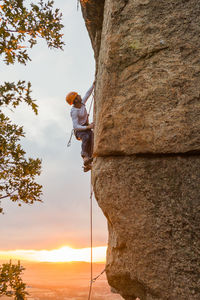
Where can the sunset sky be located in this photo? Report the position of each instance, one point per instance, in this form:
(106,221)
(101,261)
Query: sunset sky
(63,219)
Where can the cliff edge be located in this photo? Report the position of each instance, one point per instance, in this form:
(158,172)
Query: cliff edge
(146,173)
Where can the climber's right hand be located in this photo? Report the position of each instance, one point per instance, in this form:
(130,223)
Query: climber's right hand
(90,126)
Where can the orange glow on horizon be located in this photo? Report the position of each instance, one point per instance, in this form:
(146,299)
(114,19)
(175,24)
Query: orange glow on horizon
(63,254)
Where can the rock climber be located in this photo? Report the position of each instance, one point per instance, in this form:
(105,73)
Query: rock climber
(82,128)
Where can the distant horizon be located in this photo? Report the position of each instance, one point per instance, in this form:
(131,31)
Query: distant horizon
(71,280)
(62,254)
(29,262)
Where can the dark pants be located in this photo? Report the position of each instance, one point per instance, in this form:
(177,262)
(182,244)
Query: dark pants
(87,138)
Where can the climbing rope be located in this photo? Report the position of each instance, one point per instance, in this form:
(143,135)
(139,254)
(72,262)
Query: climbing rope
(95,278)
(91,103)
(91,241)
(92,280)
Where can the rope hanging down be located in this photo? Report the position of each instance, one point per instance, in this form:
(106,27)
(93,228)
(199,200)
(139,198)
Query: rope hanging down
(91,242)
(92,280)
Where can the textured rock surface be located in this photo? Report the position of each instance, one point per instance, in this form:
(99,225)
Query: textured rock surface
(153,213)
(149,78)
(93,14)
(146,174)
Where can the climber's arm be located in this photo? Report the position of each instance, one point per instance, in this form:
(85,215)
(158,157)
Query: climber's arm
(87,95)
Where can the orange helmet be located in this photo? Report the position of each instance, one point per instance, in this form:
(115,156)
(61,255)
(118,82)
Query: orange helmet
(71,97)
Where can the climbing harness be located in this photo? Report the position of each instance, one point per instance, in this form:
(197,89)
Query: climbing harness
(92,280)
(73,131)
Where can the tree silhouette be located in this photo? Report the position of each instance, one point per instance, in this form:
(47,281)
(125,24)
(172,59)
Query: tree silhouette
(20,28)
(11,284)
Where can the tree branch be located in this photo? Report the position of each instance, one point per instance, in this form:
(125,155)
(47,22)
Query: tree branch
(8,195)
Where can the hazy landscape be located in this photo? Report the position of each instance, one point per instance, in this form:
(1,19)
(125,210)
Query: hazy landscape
(65,281)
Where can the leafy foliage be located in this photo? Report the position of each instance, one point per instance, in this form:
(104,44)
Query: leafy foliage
(11,283)
(17,174)
(20,27)
(13,94)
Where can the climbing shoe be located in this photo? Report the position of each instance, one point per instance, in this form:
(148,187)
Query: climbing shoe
(87,168)
(88,161)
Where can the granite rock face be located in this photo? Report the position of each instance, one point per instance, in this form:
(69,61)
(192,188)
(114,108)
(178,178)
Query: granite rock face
(153,212)
(146,173)
(148,77)
(93,14)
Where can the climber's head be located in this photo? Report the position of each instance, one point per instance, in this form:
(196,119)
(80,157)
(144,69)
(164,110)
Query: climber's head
(77,101)
(71,97)
(74,98)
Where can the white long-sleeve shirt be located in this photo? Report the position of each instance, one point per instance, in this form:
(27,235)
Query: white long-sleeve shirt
(79,115)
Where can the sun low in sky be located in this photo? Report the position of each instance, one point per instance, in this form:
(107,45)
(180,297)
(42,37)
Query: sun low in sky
(63,254)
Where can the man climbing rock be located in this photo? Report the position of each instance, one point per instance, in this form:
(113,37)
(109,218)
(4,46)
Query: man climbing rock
(82,128)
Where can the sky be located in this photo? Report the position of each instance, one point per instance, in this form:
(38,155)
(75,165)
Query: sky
(63,218)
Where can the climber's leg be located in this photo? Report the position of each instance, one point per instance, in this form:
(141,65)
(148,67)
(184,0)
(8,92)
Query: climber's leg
(89,144)
(86,137)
